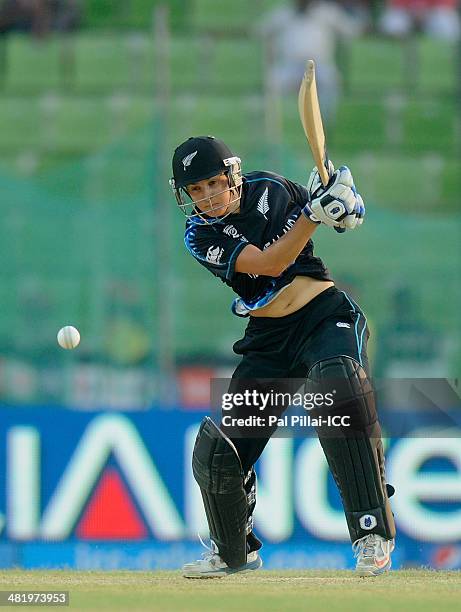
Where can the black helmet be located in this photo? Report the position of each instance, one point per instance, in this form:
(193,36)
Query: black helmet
(198,158)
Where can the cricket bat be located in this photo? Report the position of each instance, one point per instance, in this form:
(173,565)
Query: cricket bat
(309,112)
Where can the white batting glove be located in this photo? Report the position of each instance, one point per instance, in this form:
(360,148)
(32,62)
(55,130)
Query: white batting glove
(359,213)
(315,182)
(338,204)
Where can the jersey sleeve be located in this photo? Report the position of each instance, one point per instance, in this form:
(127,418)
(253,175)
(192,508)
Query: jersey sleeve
(214,250)
(298,193)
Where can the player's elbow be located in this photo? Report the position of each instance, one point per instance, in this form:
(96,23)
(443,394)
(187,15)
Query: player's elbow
(261,269)
(254,261)
(275,270)
(265,266)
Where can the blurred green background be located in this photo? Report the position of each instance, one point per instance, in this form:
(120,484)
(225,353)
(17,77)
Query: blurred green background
(90,234)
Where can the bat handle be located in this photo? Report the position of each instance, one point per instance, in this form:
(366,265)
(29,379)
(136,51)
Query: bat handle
(324,169)
(325,176)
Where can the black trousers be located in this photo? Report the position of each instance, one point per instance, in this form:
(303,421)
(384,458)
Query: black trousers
(287,347)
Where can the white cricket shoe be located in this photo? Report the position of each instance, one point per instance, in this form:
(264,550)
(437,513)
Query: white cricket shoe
(212,566)
(373,555)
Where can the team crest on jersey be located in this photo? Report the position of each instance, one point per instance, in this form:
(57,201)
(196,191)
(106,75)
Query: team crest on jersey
(214,254)
(263,204)
(188,159)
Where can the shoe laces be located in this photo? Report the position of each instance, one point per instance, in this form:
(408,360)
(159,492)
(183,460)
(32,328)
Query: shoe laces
(211,551)
(365,547)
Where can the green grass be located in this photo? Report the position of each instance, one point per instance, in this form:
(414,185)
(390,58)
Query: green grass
(279,591)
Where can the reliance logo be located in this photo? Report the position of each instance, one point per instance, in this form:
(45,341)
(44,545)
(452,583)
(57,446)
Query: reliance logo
(91,497)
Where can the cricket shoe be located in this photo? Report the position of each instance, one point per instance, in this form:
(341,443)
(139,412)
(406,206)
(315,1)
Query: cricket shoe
(212,566)
(373,554)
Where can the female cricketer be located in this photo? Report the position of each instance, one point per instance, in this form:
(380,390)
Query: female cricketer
(253,231)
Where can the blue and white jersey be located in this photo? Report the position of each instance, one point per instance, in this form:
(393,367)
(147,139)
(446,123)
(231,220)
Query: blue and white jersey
(270,205)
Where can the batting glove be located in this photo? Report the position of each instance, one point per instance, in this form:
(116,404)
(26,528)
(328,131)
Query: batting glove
(338,204)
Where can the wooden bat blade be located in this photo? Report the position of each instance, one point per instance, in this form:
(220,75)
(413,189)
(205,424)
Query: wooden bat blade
(309,112)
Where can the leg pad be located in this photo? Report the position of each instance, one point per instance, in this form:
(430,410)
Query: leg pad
(354,453)
(219,474)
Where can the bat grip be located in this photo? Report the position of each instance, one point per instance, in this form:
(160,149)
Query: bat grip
(325,177)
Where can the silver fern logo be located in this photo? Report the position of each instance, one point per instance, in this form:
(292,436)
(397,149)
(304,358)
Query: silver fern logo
(188,159)
(263,204)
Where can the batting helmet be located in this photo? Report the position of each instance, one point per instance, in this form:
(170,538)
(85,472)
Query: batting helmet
(199,158)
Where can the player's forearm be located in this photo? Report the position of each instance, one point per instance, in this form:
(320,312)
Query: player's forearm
(286,249)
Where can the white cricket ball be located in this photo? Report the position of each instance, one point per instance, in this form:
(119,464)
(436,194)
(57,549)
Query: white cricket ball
(68,337)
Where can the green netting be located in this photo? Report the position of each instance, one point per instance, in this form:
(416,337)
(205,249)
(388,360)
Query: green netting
(32,64)
(131,14)
(96,63)
(90,234)
(375,63)
(109,61)
(73,232)
(414,65)
(222,17)
(438,65)
(19,124)
(418,184)
(430,125)
(360,124)
(236,119)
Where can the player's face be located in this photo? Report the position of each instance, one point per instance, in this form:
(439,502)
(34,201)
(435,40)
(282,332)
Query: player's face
(212,196)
